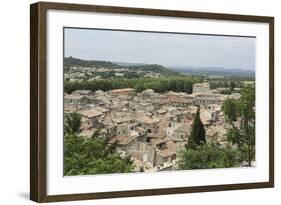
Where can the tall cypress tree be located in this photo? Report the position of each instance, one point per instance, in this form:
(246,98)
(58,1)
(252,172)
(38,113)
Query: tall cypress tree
(197,135)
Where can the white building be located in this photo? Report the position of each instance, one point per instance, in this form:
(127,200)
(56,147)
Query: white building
(201,87)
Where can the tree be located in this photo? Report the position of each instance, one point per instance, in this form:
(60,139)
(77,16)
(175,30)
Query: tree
(208,156)
(85,156)
(231,86)
(72,123)
(230,110)
(243,135)
(197,135)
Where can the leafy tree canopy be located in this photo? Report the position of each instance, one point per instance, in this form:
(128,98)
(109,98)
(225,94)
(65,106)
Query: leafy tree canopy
(86,156)
(208,156)
(243,134)
(72,123)
(165,84)
(230,109)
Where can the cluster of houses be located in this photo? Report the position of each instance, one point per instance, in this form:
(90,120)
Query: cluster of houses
(149,127)
(81,73)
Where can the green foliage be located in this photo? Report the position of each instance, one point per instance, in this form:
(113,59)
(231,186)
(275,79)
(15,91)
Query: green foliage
(227,83)
(230,109)
(177,84)
(208,156)
(197,135)
(225,92)
(219,84)
(231,86)
(244,135)
(70,61)
(72,123)
(86,156)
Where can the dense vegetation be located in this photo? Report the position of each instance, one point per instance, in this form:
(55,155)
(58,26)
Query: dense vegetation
(86,156)
(177,84)
(230,84)
(240,115)
(198,154)
(72,123)
(208,156)
(197,135)
(242,135)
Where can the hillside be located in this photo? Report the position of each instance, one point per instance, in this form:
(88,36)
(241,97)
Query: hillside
(107,69)
(70,61)
(216,72)
(155,68)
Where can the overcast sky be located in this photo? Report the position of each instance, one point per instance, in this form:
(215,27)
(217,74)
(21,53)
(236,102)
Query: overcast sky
(161,48)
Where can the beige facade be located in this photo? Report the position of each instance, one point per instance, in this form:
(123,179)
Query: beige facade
(201,87)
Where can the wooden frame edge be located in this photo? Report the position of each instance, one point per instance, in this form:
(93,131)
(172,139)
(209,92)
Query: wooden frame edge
(38,93)
(155,192)
(37,102)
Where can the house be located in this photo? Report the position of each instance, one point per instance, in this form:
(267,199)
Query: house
(124,143)
(101,109)
(110,130)
(171,94)
(122,129)
(68,108)
(211,115)
(147,95)
(181,132)
(146,122)
(201,87)
(100,92)
(90,118)
(91,113)
(76,99)
(216,134)
(180,101)
(207,99)
(178,132)
(167,153)
(160,100)
(144,153)
(83,92)
(122,91)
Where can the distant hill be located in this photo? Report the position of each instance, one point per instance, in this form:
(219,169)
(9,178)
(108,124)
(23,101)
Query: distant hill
(208,72)
(215,72)
(70,61)
(155,68)
(127,64)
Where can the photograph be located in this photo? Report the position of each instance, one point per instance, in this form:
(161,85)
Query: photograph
(149,101)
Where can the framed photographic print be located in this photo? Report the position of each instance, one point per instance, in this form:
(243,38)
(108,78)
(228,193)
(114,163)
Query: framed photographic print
(134,102)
